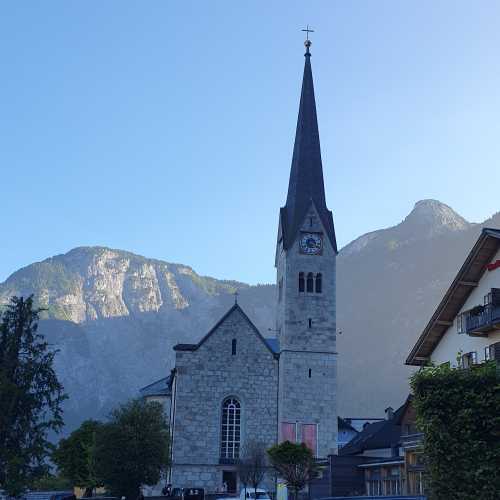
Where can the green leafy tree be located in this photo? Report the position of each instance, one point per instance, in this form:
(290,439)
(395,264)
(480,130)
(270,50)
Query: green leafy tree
(294,463)
(459,413)
(75,457)
(51,482)
(30,397)
(132,449)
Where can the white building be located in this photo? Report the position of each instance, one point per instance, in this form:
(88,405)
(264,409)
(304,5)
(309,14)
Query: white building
(465,328)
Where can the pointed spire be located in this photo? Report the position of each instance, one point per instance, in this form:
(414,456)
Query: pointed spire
(306,175)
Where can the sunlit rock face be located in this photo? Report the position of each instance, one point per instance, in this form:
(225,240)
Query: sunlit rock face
(89,284)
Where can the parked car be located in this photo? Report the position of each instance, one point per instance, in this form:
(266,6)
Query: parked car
(249,494)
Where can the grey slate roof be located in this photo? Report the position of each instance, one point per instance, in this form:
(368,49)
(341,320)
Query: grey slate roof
(161,387)
(274,345)
(379,435)
(343,424)
(306,176)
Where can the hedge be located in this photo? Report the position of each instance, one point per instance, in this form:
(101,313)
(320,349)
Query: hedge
(459,413)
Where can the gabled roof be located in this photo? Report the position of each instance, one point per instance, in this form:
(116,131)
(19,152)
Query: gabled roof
(377,436)
(306,184)
(161,387)
(465,281)
(236,307)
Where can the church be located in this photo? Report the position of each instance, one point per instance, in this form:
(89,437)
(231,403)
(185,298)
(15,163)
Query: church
(235,386)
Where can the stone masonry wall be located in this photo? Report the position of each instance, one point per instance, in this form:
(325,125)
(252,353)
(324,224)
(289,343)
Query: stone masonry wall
(205,377)
(305,399)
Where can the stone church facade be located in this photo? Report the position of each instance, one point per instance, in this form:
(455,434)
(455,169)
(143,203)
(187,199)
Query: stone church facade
(235,386)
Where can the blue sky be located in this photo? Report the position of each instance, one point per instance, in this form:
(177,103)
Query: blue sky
(166,128)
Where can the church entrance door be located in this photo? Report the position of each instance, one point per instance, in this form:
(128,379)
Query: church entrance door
(229,478)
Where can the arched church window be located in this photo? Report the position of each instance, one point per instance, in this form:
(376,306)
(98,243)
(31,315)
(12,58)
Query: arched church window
(310,283)
(231,429)
(319,283)
(301,282)
(233,347)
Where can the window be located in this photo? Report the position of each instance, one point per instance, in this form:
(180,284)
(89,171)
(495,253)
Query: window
(231,429)
(461,323)
(280,289)
(309,432)
(318,283)
(288,432)
(233,347)
(468,359)
(310,323)
(310,373)
(301,282)
(487,353)
(310,283)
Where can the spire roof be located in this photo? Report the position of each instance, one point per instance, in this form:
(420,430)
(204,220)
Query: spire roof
(306,176)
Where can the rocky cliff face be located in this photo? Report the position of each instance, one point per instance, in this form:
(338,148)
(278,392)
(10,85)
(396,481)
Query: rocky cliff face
(115,316)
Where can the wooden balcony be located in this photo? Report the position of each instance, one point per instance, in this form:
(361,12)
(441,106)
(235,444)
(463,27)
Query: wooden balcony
(481,320)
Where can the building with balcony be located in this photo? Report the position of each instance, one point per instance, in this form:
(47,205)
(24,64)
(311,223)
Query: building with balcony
(465,327)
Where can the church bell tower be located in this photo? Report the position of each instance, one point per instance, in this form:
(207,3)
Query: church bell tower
(305,321)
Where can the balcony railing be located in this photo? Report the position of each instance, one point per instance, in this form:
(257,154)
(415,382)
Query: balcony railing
(482,319)
(411,440)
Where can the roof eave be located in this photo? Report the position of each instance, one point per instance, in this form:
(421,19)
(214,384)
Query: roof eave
(417,356)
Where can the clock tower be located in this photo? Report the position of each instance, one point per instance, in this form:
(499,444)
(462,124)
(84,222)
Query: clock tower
(305,320)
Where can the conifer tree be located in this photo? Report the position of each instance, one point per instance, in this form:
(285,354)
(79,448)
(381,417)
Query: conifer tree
(30,397)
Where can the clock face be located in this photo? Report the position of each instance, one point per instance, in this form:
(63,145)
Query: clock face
(311,243)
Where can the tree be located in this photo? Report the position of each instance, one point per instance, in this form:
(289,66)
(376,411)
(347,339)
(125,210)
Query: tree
(294,463)
(132,448)
(30,397)
(50,482)
(252,465)
(75,457)
(458,412)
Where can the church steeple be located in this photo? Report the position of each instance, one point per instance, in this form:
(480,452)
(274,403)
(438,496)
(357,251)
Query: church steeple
(306,175)
(305,262)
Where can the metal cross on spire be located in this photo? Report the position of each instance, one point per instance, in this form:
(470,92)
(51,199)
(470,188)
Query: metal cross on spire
(307,43)
(236,297)
(307,30)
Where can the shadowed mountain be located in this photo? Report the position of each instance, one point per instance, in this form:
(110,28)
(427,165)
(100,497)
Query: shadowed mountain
(115,315)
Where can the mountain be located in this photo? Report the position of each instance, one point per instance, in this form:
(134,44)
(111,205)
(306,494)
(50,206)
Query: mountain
(115,315)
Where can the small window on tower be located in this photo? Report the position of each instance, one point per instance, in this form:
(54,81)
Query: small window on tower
(233,347)
(280,289)
(310,283)
(310,373)
(319,284)
(310,323)
(301,282)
